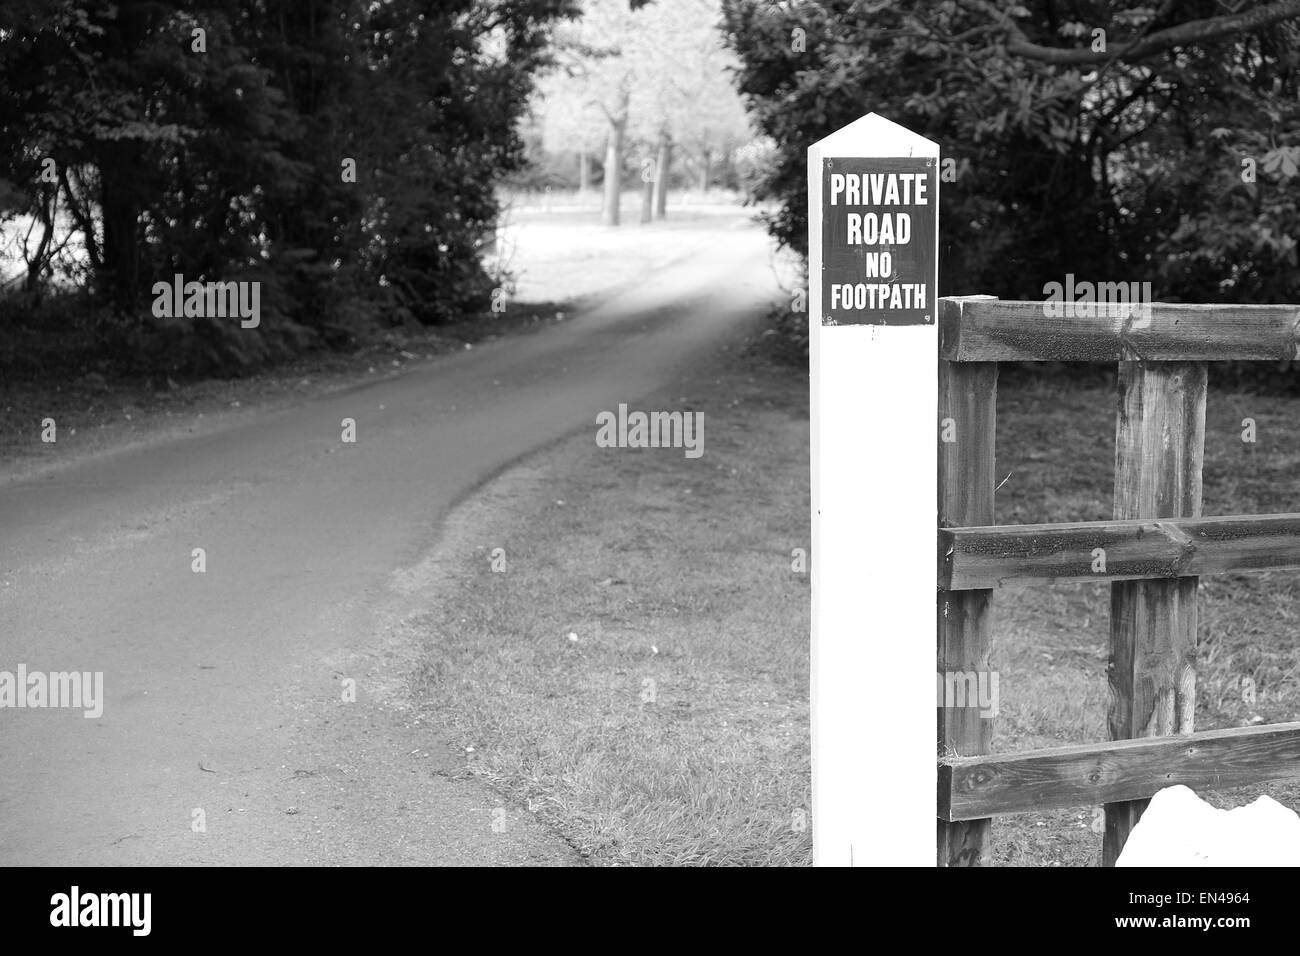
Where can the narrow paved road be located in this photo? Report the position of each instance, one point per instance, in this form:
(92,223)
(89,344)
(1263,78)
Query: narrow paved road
(224,689)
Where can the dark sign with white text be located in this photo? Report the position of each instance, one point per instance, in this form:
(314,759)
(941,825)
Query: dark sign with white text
(879,222)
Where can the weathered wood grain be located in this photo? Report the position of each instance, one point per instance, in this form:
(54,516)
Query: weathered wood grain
(1122,770)
(1003,555)
(1159,452)
(967,415)
(979,330)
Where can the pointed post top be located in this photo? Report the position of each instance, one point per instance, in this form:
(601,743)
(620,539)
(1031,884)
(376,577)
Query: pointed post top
(873,135)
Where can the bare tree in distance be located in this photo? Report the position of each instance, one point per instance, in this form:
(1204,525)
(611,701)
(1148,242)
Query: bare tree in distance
(650,77)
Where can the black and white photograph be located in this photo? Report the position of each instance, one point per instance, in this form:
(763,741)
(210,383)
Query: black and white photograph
(561,433)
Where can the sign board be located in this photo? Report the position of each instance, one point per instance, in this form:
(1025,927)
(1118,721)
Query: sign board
(874,364)
(879,221)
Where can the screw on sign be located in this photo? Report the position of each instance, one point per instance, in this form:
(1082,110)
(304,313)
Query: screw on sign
(879,222)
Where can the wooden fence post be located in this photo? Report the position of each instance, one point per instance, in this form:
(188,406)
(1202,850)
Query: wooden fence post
(1158,545)
(967,428)
(1159,452)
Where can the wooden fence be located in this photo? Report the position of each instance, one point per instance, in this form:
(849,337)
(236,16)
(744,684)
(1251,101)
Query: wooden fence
(1155,549)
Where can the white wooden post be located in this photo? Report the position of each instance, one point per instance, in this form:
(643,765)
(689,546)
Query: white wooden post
(874,434)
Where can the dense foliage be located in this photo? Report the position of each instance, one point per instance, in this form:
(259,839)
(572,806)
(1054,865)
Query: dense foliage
(1120,141)
(223,155)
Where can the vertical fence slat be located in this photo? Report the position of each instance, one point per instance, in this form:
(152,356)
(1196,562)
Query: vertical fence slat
(967,396)
(1159,452)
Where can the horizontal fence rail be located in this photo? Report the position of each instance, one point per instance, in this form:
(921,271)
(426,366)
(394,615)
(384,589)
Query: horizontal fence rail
(1152,555)
(1002,555)
(992,330)
(1090,774)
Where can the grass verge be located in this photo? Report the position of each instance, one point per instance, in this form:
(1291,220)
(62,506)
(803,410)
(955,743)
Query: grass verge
(637,674)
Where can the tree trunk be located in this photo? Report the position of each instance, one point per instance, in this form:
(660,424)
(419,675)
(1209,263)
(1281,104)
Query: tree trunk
(584,173)
(613,171)
(614,154)
(648,195)
(121,244)
(705,170)
(79,205)
(663,167)
(604,198)
(47,217)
